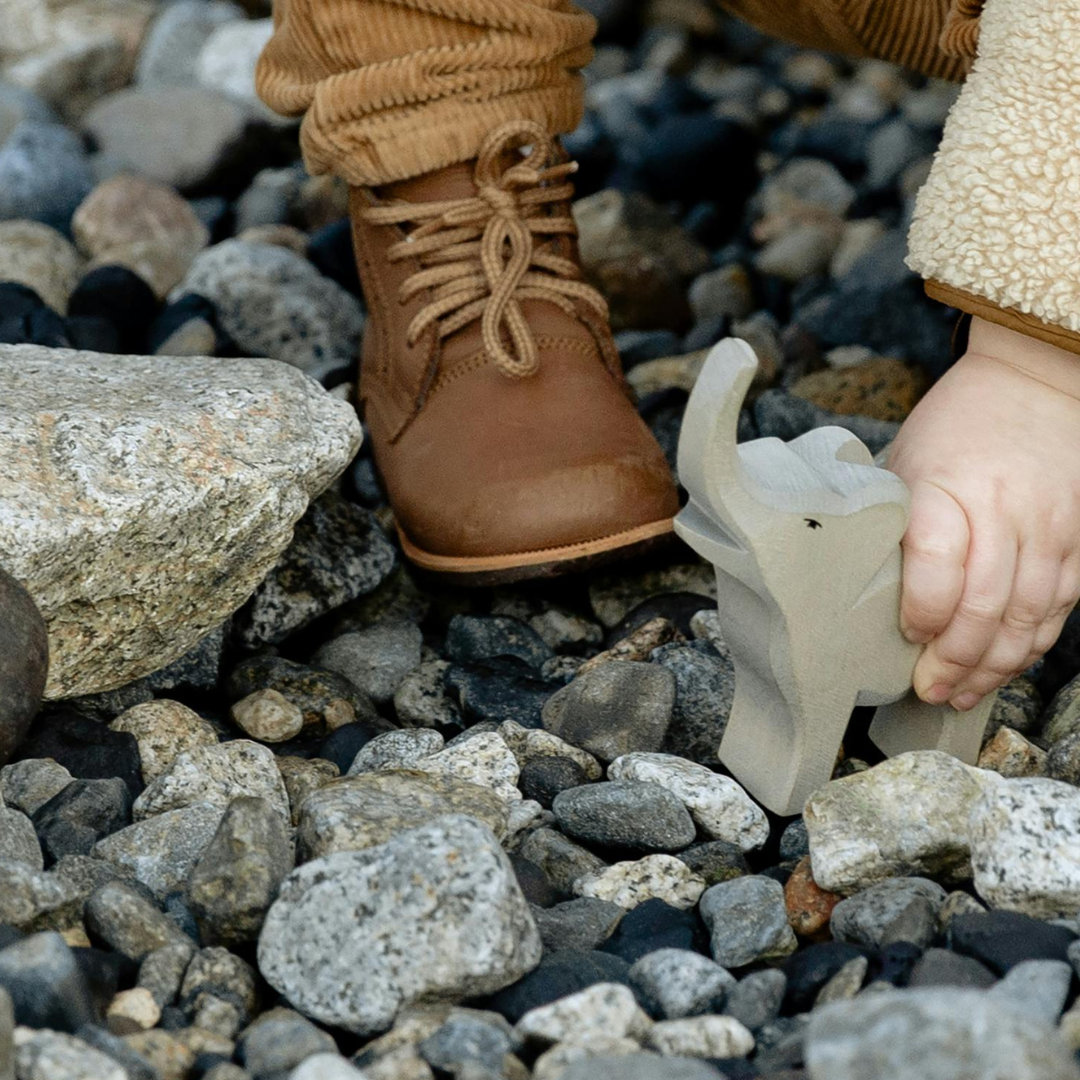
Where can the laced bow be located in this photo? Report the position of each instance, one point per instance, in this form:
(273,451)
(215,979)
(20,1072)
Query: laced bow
(481,256)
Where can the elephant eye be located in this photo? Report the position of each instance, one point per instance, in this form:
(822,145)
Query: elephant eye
(812,524)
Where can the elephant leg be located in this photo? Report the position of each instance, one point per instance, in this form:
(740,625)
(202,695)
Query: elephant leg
(911,724)
(781,757)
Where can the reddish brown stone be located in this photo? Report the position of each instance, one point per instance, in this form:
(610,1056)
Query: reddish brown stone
(809,907)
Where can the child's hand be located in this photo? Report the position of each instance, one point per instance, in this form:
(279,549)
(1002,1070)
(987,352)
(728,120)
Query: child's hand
(992,551)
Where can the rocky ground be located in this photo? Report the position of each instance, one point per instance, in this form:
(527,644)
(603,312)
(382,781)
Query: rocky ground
(374,829)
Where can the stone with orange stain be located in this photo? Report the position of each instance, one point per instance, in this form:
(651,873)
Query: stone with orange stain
(809,906)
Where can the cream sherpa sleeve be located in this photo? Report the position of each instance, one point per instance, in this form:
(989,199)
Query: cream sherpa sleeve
(996,229)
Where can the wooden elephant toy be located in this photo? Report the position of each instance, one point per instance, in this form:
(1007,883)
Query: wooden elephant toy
(805,537)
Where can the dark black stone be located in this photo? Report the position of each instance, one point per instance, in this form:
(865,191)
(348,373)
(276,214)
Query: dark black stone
(87,749)
(544,777)
(48,986)
(896,962)
(214,212)
(899,321)
(704,693)
(120,296)
(205,1061)
(175,315)
(777,873)
(559,974)
(656,925)
(678,607)
(810,969)
(1003,939)
(794,841)
(103,973)
(700,156)
(342,746)
(173,1018)
(834,137)
(479,638)
(75,819)
(330,250)
(534,883)
(364,483)
(783,416)
(24,663)
(17,301)
(93,334)
(705,334)
(499,690)
(637,346)
(741,1069)
(41,326)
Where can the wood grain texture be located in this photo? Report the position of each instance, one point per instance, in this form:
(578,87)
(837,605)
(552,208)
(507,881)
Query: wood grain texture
(805,537)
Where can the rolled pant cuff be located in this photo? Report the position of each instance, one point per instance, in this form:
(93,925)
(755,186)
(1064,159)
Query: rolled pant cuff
(408,142)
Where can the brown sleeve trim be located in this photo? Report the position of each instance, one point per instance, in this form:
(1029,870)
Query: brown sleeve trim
(1007,317)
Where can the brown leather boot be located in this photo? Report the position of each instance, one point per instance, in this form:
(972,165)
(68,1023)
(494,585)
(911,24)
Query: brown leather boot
(494,397)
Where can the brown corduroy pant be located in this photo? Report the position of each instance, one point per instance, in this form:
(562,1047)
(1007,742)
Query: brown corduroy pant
(391,89)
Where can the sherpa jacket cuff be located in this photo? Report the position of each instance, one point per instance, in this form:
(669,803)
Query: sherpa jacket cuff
(996,229)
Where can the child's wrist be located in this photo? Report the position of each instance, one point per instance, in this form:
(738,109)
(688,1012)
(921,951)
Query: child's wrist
(1040,360)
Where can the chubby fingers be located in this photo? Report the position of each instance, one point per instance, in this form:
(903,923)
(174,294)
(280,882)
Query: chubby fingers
(957,652)
(1030,607)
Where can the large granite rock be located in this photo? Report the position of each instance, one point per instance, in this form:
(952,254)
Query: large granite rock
(436,914)
(143,499)
(1024,850)
(24,662)
(907,816)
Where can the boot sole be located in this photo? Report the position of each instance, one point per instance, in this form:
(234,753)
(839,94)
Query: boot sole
(545,563)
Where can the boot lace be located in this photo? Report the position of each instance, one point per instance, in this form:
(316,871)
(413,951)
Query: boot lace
(482,256)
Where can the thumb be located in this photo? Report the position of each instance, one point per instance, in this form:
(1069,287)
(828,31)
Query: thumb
(935,550)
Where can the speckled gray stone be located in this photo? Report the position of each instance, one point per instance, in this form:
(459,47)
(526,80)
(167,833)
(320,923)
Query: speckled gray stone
(117,464)
(748,921)
(900,909)
(358,812)
(1025,847)
(162,850)
(356,936)
(126,921)
(719,806)
(757,998)
(396,750)
(29,784)
(216,775)
(584,923)
(616,708)
(625,814)
(673,983)
(376,660)
(273,302)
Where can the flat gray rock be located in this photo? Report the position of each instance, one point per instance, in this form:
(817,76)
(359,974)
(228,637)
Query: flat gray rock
(435,914)
(148,492)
